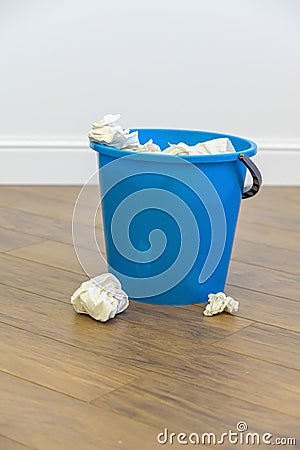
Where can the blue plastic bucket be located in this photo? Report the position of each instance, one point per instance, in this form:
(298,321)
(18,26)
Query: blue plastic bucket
(169,221)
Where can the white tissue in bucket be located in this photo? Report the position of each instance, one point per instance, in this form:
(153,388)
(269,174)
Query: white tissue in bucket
(101,297)
(108,132)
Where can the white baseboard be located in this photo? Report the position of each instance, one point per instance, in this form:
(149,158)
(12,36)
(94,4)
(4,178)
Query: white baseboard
(46,161)
(70,161)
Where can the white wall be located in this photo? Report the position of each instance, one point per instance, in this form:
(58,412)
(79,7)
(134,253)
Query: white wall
(231,66)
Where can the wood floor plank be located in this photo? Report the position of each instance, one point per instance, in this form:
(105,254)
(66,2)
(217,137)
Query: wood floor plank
(66,192)
(266,342)
(35,225)
(267,256)
(264,209)
(63,256)
(8,444)
(241,377)
(54,208)
(44,419)
(268,235)
(184,321)
(271,219)
(59,321)
(45,227)
(10,239)
(264,280)
(268,309)
(37,278)
(58,366)
(157,350)
(216,413)
(270,196)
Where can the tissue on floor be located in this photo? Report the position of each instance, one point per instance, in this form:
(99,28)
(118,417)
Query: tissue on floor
(218,303)
(101,297)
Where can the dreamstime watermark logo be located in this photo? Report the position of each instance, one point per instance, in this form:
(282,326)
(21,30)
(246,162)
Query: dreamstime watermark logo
(239,436)
(151,215)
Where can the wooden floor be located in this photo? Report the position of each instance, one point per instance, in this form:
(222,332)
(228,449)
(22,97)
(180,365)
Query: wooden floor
(69,382)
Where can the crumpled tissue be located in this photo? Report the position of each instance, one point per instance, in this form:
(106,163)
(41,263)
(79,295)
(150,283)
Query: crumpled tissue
(149,147)
(108,132)
(212,147)
(101,297)
(218,303)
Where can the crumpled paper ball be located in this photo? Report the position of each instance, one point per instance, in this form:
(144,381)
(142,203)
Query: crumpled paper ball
(101,297)
(218,303)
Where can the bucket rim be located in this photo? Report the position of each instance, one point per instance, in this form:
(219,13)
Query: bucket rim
(251,149)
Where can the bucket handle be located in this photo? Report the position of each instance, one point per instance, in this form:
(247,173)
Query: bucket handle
(256,175)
